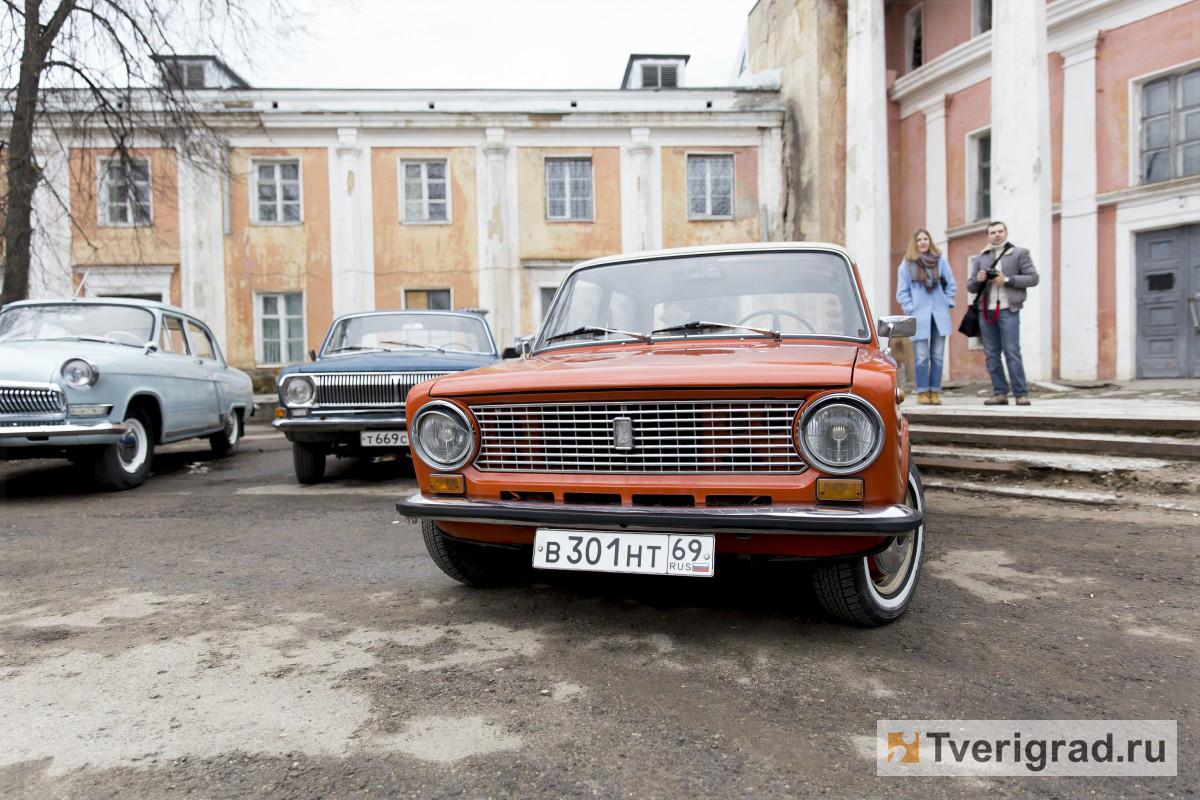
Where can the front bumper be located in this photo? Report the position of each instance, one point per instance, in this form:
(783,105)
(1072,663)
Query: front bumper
(62,434)
(808,520)
(345,423)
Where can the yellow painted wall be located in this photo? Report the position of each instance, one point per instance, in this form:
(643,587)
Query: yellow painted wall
(424,255)
(277,258)
(95,245)
(679,231)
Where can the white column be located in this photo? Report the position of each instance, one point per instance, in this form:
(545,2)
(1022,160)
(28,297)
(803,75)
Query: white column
(1078,305)
(50,244)
(937,215)
(202,240)
(1021,160)
(351,259)
(640,149)
(496,280)
(867,209)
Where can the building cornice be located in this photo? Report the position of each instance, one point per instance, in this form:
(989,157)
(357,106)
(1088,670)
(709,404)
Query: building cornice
(1151,192)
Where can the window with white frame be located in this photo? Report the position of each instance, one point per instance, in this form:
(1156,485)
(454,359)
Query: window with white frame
(979,174)
(424,190)
(710,186)
(277,192)
(547,296)
(427,299)
(914,36)
(1170,126)
(983,16)
(124,191)
(280,327)
(569,189)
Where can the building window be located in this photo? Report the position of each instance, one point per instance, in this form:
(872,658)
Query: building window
(569,188)
(983,16)
(1171,127)
(547,296)
(425,195)
(660,76)
(914,31)
(979,174)
(710,186)
(277,191)
(280,328)
(431,299)
(124,191)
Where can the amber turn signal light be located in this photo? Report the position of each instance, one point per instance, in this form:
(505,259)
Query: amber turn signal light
(446,484)
(842,489)
(899,395)
(280,412)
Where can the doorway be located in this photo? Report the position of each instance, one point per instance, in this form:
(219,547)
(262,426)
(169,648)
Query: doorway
(1168,303)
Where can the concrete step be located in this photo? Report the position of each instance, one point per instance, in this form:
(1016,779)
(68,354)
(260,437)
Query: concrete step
(989,460)
(1172,447)
(1130,419)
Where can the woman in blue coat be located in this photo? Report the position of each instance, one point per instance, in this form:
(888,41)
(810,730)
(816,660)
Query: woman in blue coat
(925,289)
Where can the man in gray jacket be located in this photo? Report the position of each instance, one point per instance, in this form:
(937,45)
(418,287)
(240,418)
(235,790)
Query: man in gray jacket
(1003,272)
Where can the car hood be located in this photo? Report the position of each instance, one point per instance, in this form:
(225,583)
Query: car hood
(766,364)
(411,360)
(40,361)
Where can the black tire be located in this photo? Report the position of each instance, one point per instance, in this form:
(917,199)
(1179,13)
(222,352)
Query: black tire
(863,591)
(472,564)
(309,462)
(126,464)
(226,442)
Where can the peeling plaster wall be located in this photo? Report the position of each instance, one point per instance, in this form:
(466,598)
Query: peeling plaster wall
(424,256)
(277,258)
(576,241)
(946,24)
(679,231)
(908,193)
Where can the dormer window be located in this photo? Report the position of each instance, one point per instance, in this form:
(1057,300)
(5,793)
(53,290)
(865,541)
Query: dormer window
(198,72)
(654,72)
(660,76)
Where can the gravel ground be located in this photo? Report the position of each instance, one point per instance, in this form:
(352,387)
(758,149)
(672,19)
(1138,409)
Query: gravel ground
(222,632)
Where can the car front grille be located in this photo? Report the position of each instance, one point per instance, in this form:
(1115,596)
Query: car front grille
(31,400)
(668,436)
(366,389)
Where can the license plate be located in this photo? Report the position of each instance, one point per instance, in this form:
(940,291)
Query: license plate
(639,553)
(384,438)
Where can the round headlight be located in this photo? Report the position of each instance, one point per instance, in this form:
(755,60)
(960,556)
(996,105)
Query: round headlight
(841,435)
(298,391)
(79,374)
(442,436)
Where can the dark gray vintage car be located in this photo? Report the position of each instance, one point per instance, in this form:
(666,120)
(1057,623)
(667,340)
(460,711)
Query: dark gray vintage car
(350,400)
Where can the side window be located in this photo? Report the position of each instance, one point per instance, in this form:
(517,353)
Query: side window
(172,336)
(202,345)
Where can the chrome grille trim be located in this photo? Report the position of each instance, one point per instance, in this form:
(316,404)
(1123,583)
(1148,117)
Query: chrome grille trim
(366,389)
(31,399)
(703,436)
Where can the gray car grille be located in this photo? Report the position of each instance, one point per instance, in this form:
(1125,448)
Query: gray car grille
(367,389)
(29,400)
(669,436)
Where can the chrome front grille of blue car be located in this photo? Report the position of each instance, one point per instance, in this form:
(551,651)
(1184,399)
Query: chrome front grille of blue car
(17,400)
(366,389)
(641,437)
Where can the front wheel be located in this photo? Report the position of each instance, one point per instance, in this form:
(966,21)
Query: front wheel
(126,463)
(473,564)
(876,589)
(225,443)
(308,460)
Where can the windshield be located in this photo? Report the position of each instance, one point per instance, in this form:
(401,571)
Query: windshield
(792,293)
(120,324)
(399,331)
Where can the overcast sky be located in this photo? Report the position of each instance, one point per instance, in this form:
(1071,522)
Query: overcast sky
(506,44)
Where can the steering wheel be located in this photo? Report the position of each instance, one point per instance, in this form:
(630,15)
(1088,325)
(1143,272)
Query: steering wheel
(458,345)
(776,315)
(134,339)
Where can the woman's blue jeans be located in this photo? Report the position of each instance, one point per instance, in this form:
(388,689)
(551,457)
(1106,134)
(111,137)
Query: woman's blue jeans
(928,355)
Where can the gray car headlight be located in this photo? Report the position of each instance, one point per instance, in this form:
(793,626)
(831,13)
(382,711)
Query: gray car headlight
(79,374)
(442,436)
(298,390)
(841,434)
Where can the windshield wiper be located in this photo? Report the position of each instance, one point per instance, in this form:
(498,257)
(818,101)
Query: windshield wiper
(83,337)
(592,329)
(415,344)
(351,348)
(700,325)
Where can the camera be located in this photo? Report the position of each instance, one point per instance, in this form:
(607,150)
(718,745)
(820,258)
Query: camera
(992,273)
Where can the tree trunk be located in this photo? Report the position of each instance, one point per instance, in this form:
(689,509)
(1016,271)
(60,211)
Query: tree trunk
(22,171)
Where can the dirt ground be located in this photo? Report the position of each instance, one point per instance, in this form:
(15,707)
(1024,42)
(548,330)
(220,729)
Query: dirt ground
(222,632)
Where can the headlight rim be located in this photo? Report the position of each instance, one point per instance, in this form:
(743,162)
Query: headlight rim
(298,378)
(414,436)
(843,398)
(93,369)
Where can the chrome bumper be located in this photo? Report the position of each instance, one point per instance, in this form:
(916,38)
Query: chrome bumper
(43,432)
(809,520)
(348,424)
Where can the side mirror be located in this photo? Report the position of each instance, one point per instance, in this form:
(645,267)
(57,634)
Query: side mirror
(522,346)
(896,327)
(150,347)
(312,355)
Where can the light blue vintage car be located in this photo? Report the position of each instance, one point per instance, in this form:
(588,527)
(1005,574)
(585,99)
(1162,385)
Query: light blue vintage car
(102,381)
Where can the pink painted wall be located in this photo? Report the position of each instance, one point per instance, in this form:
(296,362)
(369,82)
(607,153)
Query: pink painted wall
(947,24)
(908,190)
(966,111)
(1149,45)
(965,364)
(1056,126)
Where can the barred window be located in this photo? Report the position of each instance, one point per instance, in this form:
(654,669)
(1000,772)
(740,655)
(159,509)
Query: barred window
(569,189)
(427,299)
(1171,127)
(425,191)
(281,328)
(277,191)
(710,186)
(125,191)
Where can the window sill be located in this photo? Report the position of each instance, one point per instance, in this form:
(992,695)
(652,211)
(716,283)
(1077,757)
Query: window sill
(710,219)
(288,224)
(587,220)
(127,224)
(426,222)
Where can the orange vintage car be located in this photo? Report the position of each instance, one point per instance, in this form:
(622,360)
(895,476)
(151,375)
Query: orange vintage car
(678,407)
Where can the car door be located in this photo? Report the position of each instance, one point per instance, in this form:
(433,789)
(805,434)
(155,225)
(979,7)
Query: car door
(205,355)
(185,391)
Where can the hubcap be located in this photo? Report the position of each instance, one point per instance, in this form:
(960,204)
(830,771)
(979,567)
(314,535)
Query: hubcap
(890,567)
(231,428)
(131,450)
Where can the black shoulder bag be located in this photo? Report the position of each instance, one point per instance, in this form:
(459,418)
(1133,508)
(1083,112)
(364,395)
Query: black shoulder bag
(969,326)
